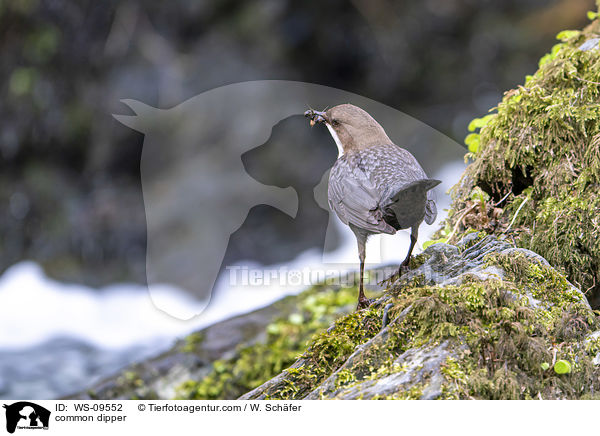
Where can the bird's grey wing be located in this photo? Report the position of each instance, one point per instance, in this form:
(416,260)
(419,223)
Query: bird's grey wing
(354,199)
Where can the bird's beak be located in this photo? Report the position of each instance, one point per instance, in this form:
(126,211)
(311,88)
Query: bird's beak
(315,116)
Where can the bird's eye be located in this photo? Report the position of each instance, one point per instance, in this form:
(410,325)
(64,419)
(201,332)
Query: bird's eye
(335,123)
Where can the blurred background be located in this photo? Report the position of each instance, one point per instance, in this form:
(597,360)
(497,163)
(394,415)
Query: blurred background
(70,173)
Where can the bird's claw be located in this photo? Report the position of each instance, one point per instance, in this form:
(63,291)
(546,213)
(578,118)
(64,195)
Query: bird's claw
(404,269)
(364,303)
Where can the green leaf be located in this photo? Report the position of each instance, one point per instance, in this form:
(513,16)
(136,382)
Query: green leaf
(592,15)
(550,56)
(545,366)
(562,367)
(478,194)
(473,125)
(219,366)
(296,319)
(478,123)
(434,241)
(565,35)
(273,329)
(472,141)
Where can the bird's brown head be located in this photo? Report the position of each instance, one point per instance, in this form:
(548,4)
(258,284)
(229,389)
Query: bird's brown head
(351,127)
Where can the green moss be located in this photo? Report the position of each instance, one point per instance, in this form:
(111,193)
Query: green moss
(497,339)
(329,350)
(286,339)
(455,371)
(129,382)
(193,342)
(541,146)
(417,261)
(508,341)
(344,377)
(414,393)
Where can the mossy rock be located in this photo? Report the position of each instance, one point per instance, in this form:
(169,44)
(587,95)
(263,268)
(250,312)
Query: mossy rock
(231,357)
(535,171)
(285,338)
(479,320)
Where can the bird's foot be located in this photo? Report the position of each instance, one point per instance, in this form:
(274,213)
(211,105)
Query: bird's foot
(404,269)
(363,303)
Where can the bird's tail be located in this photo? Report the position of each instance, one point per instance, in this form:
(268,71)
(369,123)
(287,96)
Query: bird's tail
(415,188)
(414,195)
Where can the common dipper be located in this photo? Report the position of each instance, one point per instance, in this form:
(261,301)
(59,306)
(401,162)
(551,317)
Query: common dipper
(375,186)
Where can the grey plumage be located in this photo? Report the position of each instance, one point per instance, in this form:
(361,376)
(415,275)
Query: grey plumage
(374,186)
(381,189)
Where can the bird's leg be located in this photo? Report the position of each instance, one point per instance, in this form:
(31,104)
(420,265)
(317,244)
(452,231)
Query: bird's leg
(361,291)
(414,233)
(363,301)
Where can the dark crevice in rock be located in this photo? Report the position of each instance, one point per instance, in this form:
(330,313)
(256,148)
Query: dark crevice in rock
(521,179)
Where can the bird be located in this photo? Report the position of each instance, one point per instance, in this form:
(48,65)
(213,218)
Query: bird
(375,186)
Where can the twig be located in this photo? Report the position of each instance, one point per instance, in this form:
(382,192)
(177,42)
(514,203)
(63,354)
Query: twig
(532,234)
(587,81)
(458,222)
(516,214)
(503,198)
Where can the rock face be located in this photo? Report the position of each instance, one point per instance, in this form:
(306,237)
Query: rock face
(536,163)
(481,319)
(231,357)
(189,358)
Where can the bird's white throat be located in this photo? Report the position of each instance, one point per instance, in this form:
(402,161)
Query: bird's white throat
(336,139)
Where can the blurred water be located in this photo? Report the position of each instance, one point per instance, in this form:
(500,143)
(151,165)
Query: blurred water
(58,338)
